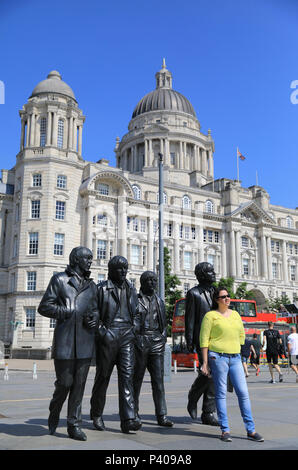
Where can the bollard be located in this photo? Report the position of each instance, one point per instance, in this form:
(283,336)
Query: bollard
(175,367)
(195,365)
(6,377)
(34,370)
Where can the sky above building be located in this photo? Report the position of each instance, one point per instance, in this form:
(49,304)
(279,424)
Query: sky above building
(234,60)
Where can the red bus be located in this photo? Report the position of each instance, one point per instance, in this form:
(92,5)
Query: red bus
(254,322)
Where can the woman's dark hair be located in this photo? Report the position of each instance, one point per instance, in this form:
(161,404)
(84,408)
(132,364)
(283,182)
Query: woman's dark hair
(216,294)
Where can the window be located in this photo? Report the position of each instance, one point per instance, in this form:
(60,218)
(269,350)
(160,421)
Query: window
(169,230)
(61,181)
(52,322)
(245,266)
(216,237)
(103,189)
(136,191)
(186,202)
(60,210)
(210,236)
(209,207)
(143,225)
(186,287)
(173,158)
(33,243)
(193,233)
(30,317)
(59,244)
(244,242)
(289,222)
(181,231)
(186,232)
(102,220)
(293,272)
(111,249)
(60,134)
(36,180)
(35,209)
(274,270)
(275,246)
(135,254)
(101,249)
(165,198)
(144,255)
(135,224)
(100,277)
(211,259)
(187,260)
(15,246)
(31,280)
(43,132)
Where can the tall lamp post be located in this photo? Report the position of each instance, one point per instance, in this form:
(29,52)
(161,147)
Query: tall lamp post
(160,219)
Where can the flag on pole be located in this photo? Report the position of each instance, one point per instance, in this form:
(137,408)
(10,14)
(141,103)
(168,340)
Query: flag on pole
(239,154)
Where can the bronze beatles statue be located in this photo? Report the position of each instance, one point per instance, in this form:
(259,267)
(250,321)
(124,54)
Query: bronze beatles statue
(71,299)
(198,303)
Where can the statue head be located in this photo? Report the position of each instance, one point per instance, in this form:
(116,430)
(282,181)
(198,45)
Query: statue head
(80,259)
(118,266)
(148,282)
(205,273)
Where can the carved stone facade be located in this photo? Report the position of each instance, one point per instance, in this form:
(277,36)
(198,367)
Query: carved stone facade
(54,199)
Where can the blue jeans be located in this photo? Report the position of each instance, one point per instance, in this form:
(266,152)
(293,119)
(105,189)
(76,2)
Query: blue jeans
(221,365)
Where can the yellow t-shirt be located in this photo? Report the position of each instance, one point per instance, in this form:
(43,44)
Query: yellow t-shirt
(221,334)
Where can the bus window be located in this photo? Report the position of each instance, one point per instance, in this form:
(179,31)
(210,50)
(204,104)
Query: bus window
(180,308)
(245,309)
(179,344)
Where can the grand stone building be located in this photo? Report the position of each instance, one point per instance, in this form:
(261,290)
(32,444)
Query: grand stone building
(54,199)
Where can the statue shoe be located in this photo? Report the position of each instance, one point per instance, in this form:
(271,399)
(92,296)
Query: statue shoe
(209,419)
(99,424)
(130,425)
(53,422)
(75,432)
(163,420)
(192,410)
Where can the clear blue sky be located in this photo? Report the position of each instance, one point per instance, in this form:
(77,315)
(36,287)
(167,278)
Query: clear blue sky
(233,59)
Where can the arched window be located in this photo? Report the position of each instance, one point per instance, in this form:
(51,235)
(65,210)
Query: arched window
(244,242)
(136,191)
(165,198)
(209,207)
(43,131)
(60,133)
(186,202)
(289,222)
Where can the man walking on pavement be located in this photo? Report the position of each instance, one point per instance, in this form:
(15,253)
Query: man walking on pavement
(273,339)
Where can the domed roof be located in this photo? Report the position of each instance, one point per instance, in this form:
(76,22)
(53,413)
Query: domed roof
(164,97)
(53,84)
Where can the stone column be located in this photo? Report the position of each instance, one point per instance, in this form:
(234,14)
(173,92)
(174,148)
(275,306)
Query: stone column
(28,131)
(232,254)
(211,164)
(49,128)
(150,243)
(32,137)
(238,254)
(167,152)
(269,257)
(80,140)
(146,153)
(22,134)
(150,153)
(204,162)
(176,246)
(180,156)
(55,129)
(74,134)
(223,255)
(122,227)
(285,261)
(264,257)
(70,132)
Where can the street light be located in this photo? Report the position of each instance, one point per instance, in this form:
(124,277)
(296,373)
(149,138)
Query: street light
(160,218)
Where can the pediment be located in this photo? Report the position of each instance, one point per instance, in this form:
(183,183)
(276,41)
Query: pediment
(252,212)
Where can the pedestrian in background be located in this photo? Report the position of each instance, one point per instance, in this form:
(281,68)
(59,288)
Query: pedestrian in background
(293,349)
(246,349)
(255,358)
(273,340)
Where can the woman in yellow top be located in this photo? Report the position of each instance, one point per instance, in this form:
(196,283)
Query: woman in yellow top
(221,336)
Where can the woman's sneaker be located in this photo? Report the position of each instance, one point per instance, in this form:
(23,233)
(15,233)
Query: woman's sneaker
(226,437)
(255,437)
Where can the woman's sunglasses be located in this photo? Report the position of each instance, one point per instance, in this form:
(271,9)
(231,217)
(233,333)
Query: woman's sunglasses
(223,297)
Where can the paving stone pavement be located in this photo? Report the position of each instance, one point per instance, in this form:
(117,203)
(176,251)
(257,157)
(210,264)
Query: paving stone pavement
(24,405)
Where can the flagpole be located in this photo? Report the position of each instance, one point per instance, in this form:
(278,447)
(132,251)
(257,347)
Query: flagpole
(237,166)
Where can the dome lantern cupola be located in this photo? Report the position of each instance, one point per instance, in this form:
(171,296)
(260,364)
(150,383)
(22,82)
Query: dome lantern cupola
(163,77)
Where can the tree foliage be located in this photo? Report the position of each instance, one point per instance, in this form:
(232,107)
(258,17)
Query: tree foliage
(171,292)
(241,291)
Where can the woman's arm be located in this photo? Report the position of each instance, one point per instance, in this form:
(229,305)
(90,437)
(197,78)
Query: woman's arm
(204,367)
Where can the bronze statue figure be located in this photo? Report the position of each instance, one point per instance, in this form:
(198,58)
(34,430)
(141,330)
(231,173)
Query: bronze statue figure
(117,303)
(150,346)
(71,299)
(198,303)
